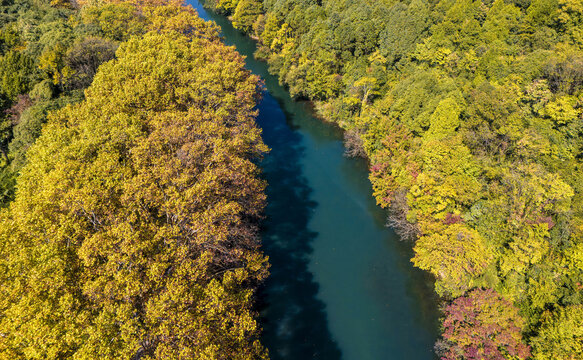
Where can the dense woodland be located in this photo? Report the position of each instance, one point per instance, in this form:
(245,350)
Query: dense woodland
(131,194)
(471,114)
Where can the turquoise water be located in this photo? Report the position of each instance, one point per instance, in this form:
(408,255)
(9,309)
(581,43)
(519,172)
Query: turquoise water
(341,284)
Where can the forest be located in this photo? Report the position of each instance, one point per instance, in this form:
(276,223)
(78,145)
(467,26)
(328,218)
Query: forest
(470,113)
(131,194)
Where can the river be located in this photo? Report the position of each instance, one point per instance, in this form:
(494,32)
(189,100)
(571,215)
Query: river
(341,284)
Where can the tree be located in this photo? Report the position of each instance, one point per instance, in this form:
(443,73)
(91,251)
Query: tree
(16,74)
(52,61)
(366,87)
(226,6)
(133,230)
(245,14)
(482,325)
(561,334)
(85,57)
(407,26)
(445,120)
(455,255)
(29,127)
(116,21)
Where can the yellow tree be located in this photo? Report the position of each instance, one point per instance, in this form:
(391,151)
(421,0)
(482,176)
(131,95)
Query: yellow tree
(133,229)
(455,255)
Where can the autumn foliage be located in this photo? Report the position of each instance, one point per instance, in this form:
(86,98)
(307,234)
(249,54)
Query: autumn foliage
(482,326)
(133,231)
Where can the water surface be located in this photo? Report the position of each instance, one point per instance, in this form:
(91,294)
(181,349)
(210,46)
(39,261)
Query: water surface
(341,284)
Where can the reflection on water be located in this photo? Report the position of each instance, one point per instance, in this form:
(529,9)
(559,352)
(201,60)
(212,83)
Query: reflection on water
(341,284)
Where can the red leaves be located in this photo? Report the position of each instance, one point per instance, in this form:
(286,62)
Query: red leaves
(452,219)
(23,102)
(482,326)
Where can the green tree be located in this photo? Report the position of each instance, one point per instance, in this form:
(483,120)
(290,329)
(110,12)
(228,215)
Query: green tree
(17,74)
(246,14)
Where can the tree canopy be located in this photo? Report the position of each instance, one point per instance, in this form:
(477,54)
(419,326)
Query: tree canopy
(133,230)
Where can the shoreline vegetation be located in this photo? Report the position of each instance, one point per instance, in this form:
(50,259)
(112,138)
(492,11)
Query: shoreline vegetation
(471,116)
(129,227)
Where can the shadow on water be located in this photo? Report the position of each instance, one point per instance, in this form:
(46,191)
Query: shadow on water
(294,320)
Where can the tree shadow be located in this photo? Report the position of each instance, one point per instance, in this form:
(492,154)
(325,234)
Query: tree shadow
(293,318)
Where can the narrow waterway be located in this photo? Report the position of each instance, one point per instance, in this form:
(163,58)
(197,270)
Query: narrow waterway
(341,284)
